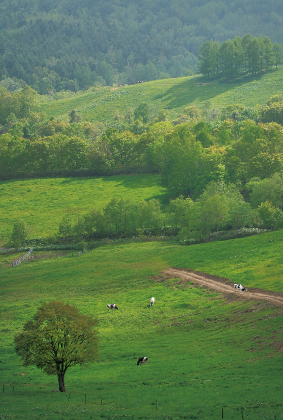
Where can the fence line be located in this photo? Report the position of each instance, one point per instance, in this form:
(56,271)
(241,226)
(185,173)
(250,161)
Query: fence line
(21,259)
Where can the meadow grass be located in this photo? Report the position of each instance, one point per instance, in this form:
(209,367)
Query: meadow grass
(169,94)
(42,203)
(206,352)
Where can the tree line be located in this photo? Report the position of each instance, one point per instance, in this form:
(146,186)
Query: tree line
(219,207)
(187,152)
(238,56)
(242,147)
(219,212)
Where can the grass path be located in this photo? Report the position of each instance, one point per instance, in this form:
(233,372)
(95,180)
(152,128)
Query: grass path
(225,287)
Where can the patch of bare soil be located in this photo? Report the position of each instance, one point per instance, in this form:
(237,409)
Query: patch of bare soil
(220,285)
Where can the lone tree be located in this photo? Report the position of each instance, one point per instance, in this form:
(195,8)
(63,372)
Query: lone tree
(19,234)
(56,338)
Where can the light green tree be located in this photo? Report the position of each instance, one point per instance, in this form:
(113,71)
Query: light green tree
(271,216)
(19,233)
(56,338)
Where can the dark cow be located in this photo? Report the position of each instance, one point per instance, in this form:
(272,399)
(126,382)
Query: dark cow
(142,360)
(112,306)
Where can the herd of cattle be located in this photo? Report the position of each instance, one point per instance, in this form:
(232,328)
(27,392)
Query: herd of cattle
(114,306)
(152,301)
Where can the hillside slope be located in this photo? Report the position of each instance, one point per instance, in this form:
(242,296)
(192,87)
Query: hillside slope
(168,94)
(203,347)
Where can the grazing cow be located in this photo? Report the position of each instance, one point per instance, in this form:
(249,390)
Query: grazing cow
(112,306)
(152,301)
(239,286)
(142,360)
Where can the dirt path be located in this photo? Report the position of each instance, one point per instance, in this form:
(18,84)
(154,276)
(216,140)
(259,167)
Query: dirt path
(223,285)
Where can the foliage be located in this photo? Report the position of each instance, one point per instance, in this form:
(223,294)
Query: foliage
(16,103)
(56,338)
(272,112)
(19,234)
(268,189)
(237,56)
(49,47)
(271,217)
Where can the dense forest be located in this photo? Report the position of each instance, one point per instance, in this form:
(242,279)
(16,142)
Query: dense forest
(239,56)
(60,45)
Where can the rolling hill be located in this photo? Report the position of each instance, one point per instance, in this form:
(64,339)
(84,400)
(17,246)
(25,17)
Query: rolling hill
(171,95)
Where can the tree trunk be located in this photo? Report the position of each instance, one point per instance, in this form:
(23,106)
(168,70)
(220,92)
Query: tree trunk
(61,381)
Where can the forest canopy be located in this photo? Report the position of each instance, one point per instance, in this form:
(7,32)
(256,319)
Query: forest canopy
(60,45)
(239,56)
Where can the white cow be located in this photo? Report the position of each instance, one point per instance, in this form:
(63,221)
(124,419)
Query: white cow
(152,301)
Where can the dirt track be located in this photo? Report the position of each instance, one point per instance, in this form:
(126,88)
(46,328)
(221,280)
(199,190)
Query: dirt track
(223,285)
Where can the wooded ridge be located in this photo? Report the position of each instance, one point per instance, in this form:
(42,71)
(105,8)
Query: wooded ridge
(72,45)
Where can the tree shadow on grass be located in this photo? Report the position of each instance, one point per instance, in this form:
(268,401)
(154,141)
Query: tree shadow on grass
(199,89)
(134,181)
(141,181)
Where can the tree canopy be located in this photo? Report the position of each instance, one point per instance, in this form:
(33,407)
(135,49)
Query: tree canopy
(74,44)
(56,338)
(238,56)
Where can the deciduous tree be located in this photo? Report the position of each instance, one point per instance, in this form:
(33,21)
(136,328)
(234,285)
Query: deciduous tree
(19,234)
(56,338)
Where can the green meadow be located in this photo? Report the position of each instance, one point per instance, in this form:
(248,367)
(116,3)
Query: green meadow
(169,94)
(207,352)
(42,203)
(211,356)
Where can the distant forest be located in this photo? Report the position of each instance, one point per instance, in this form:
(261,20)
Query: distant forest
(70,45)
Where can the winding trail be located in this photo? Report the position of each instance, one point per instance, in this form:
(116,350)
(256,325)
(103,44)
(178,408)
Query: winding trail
(223,285)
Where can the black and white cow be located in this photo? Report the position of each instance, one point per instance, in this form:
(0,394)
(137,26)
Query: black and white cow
(239,286)
(112,306)
(142,360)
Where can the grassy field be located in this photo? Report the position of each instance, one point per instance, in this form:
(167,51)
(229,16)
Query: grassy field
(206,352)
(170,94)
(43,202)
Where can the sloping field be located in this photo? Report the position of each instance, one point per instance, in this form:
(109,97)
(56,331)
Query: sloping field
(203,346)
(43,202)
(170,94)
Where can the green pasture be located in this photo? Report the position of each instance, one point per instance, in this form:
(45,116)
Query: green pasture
(206,352)
(43,202)
(169,94)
